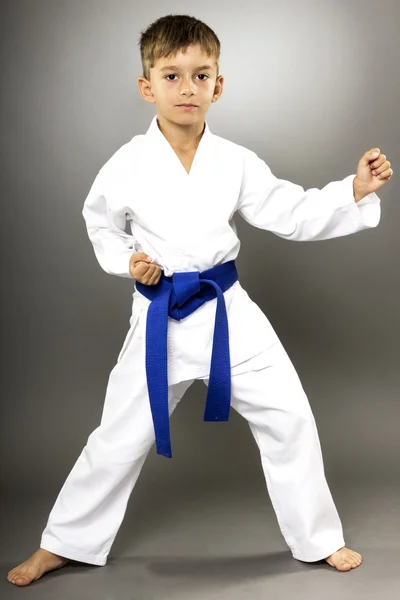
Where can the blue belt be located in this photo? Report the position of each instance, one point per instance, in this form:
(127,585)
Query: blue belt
(177,297)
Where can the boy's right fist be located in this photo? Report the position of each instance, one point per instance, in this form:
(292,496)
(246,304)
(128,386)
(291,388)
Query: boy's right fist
(143,270)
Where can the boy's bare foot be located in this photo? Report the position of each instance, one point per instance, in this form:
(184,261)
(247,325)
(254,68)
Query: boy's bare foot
(37,565)
(344,559)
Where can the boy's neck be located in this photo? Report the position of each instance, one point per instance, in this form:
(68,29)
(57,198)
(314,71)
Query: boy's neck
(183,138)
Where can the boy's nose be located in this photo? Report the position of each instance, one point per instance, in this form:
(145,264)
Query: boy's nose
(187,85)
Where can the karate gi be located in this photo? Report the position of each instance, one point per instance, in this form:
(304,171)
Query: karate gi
(185,222)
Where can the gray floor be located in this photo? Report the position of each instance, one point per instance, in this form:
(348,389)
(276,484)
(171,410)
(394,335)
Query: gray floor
(214,545)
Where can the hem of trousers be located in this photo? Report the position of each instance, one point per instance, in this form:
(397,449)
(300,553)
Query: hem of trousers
(73,554)
(319,555)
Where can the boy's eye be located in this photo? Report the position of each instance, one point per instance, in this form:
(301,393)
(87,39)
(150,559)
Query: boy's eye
(173,75)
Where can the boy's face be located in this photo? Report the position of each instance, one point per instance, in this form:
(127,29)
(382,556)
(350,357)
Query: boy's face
(187,82)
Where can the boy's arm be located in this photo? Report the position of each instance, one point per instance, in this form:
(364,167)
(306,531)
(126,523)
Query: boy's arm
(290,212)
(112,246)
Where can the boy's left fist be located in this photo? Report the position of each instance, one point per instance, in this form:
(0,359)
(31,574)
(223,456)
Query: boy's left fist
(373,171)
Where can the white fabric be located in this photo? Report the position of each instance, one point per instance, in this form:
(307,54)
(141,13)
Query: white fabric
(185,222)
(91,505)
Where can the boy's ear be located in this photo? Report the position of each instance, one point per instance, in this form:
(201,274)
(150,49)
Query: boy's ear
(144,87)
(219,86)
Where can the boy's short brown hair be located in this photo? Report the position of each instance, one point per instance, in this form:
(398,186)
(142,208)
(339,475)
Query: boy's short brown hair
(173,33)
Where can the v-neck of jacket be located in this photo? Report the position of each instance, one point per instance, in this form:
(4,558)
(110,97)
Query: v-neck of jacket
(156,131)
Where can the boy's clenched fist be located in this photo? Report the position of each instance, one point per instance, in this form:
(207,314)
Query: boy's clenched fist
(143,269)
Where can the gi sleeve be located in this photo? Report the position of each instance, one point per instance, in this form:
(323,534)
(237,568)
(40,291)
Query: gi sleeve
(112,246)
(290,212)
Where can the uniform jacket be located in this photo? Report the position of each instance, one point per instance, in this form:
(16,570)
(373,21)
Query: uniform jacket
(143,199)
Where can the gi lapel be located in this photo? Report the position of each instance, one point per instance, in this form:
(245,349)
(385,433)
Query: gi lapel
(168,153)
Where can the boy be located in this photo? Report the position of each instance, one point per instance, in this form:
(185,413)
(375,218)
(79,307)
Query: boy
(179,186)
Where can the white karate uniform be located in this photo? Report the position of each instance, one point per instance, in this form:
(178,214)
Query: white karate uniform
(185,223)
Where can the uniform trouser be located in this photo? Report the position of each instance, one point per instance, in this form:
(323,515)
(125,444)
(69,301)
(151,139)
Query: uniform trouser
(90,507)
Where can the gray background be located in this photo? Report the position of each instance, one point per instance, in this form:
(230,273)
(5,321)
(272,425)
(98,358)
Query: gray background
(310,86)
